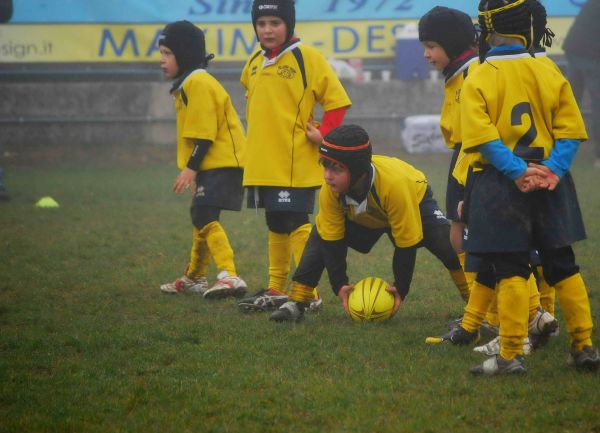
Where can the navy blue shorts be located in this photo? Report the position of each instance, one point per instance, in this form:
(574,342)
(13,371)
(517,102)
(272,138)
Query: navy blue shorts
(455,192)
(503,219)
(220,188)
(281,199)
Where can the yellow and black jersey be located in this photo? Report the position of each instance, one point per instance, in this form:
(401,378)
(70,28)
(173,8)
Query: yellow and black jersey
(281,96)
(393,201)
(521,101)
(542,56)
(450,115)
(204,111)
(464,161)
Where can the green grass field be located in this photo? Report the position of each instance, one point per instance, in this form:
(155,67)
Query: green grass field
(89,344)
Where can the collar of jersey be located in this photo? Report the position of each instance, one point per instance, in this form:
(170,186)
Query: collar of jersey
(269,62)
(502,52)
(362,206)
(451,72)
(178,84)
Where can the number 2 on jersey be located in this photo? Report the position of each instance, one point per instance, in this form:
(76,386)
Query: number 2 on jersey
(522,148)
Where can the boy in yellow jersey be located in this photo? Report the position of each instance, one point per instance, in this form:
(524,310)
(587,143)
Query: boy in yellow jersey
(522,125)
(284,81)
(210,155)
(363,198)
(448,37)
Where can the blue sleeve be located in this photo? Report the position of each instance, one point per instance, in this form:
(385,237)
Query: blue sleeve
(562,156)
(502,158)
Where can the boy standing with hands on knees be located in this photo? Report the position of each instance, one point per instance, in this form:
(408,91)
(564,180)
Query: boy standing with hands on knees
(364,197)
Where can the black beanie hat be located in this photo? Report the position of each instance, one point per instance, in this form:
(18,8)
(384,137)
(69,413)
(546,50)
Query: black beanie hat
(283,9)
(348,145)
(187,43)
(451,28)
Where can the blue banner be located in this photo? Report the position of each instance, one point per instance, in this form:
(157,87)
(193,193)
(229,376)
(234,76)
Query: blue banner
(238,11)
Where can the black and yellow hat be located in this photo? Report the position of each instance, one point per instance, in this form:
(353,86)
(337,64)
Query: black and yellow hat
(521,19)
(348,146)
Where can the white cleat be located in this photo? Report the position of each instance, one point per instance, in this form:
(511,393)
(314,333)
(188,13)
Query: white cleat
(226,286)
(185,284)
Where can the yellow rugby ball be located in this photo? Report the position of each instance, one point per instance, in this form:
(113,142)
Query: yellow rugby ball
(370,301)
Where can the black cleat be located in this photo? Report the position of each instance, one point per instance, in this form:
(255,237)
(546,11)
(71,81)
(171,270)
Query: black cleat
(587,359)
(289,312)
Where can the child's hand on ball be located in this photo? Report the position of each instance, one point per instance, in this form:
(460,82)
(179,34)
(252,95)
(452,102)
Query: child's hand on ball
(343,295)
(397,299)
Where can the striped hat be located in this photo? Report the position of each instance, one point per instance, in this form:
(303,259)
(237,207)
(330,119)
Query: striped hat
(350,147)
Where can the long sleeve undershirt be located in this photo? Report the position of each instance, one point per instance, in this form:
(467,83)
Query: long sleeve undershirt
(505,161)
(200,150)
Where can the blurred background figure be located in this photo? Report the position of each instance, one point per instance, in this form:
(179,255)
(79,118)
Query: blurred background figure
(6,8)
(582,49)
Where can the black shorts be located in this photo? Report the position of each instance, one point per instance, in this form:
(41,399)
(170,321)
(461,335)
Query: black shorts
(503,219)
(281,199)
(474,263)
(454,191)
(220,187)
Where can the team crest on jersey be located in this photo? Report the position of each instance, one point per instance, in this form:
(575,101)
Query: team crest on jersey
(284,197)
(254,69)
(457,96)
(286,72)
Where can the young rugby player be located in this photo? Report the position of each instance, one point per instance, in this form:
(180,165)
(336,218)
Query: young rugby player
(210,152)
(284,81)
(448,37)
(364,197)
(522,124)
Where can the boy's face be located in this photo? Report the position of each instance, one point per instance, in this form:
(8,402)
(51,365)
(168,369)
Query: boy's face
(271,31)
(336,176)
(435,55)
(168,63)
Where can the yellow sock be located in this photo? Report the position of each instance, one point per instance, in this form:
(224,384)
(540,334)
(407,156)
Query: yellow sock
(492,314)
(219,247)
(199,256)
(547,292)
(534,297)
(469,276)
(298,239)
(279,260)
(513,306)
(575,306)
(479,302)
(458,276)
(301,293)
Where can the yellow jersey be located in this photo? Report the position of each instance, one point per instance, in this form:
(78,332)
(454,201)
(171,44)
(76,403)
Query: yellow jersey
(450,114)
(204,111)
(521,101)
(393,201)
(466,160)
(281,96)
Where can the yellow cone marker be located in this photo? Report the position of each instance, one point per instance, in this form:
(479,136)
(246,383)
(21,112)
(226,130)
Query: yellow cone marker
(434,340)
(47,202)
